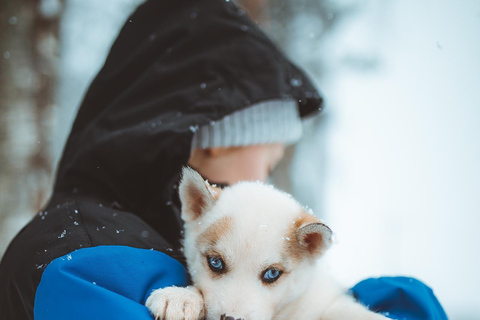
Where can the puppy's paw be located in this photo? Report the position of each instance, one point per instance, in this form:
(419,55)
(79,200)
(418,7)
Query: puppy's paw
(175,303)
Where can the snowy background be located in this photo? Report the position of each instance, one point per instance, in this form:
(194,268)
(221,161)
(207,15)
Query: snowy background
(392,165)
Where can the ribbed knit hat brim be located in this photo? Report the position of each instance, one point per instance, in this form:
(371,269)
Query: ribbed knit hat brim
(272,121)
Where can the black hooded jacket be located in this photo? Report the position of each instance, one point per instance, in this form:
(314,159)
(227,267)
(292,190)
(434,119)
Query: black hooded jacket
(175,66)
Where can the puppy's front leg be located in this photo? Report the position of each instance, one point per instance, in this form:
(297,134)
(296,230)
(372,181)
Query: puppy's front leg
(176,303)
(345,307)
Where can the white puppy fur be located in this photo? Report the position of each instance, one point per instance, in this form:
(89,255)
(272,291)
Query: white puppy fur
(253,253)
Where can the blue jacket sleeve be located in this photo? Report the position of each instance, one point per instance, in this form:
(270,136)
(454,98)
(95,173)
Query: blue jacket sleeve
(105,282)
(401,298)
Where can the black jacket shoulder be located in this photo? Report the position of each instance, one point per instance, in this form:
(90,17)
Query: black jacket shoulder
(54,233)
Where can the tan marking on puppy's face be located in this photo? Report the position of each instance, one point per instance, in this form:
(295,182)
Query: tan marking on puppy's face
(215,231)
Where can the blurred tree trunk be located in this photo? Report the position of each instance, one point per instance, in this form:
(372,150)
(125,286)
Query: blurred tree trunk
(28,48)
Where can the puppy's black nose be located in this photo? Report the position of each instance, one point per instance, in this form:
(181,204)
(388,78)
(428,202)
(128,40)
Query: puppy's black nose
(225,317)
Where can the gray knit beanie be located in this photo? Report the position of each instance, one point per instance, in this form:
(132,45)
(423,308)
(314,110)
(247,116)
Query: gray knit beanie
(265,122)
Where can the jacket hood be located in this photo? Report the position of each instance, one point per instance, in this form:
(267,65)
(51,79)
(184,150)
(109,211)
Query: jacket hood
(176,65)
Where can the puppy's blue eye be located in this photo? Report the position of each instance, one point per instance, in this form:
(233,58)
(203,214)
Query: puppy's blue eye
(216,264)
(271,275)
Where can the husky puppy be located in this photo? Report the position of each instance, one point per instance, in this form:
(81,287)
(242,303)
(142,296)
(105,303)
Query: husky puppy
(253,253)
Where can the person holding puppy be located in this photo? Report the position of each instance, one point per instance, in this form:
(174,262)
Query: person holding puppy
(192,82)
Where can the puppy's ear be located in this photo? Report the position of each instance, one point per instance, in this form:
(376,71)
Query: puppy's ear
(195,195)
(314,236)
